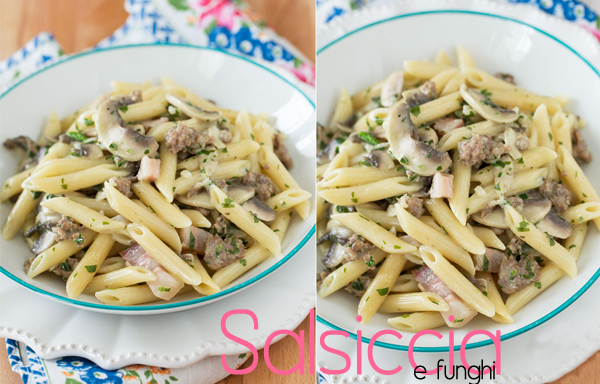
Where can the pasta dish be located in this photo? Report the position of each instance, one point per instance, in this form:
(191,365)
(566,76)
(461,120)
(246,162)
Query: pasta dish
(447,192)
(151,191)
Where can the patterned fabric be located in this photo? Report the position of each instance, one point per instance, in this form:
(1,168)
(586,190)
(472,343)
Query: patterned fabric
(77,370)
(38,53)
(224,24)
(572,10)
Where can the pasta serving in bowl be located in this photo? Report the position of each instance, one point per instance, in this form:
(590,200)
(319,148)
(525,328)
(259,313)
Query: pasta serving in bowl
(449,197)
(152,194)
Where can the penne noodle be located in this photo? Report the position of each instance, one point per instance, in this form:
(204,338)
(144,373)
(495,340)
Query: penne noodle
(418,321)
(426,235)
(80,213)
(577,181)
(378,290)
(245,220)
(120,278)
(59,253)
(414,302)
(373,232)
(157,202)
(130,210)
(539,241)
(378,190)
(457,282)
(163,254)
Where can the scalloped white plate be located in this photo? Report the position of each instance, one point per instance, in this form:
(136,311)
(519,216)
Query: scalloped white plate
(360,49)
(540,356)
(231,81)
(174,340)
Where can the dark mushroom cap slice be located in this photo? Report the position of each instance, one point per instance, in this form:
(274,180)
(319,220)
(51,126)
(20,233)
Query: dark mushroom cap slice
(555,226)
(262,211)
(494,219)
(535,210)
(380,160)
(413,154)
(121,141)
(391,90)
(334,256)
(486,108)
(240,193)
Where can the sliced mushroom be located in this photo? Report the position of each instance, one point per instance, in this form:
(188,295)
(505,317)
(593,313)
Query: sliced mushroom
(555,226)
(427,135)
(380,160)
(479,101)
(90,151)
(535,210)
(334,256)
(200,200)
(262,211)
(240,193)
(121,141)
(392,89)
(192,110)
(413,154)
(45,241)
(331,149)
(45,220)
(494,219)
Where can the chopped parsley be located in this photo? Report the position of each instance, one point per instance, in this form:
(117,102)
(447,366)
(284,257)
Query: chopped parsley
(79,240)
(192,241)
(416,110)
(383,291)
(88,122)
(486,263)
(77,136)
(161,288)
(243,262)
(35,194)
(357,285)
(523,226)
(371,262)
(538,285)
(90,268)
(123,108)
(368,138)
(228,203)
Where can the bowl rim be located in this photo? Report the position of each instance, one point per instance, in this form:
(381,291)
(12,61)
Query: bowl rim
(539,321)
(187,303)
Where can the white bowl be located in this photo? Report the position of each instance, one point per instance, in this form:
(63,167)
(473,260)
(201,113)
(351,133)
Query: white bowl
(365,47)
(231,81)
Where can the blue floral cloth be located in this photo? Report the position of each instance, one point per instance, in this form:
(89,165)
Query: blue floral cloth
(572,10)
(225,24)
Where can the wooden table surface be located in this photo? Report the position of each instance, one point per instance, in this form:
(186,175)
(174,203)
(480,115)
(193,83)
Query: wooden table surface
(79,24)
